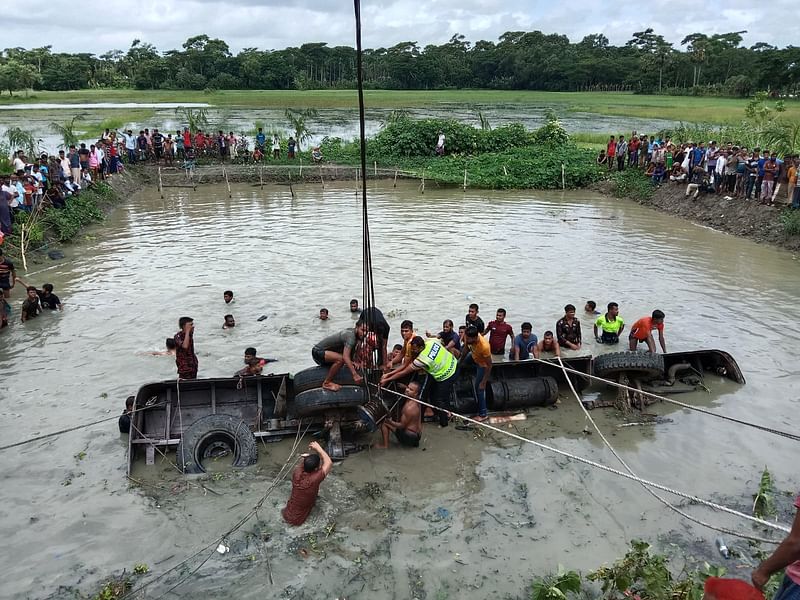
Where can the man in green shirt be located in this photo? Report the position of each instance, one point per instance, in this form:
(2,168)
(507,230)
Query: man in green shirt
(610,325)
(432,357)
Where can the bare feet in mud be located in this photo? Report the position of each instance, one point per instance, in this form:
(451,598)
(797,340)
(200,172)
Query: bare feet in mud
(481,419)
(379,446)
(330,386)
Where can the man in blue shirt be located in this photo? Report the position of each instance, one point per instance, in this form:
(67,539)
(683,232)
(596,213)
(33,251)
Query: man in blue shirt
(261,139)
(524,343)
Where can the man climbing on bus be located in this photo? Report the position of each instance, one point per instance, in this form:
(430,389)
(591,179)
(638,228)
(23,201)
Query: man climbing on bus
(337,350)
(642,332)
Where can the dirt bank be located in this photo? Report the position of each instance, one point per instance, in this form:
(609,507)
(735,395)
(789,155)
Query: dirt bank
(745,218)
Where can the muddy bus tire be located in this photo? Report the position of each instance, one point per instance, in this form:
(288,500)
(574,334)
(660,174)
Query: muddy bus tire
(319,400)
(640,363)
(216,432)
(309,379)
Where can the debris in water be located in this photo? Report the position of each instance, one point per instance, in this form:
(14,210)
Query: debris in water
(507,418)
(263,318)
(223,548)
(723,549)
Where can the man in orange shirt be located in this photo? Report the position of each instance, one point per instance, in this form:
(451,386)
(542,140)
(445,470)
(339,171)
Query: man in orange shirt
(642,331)
(479,352)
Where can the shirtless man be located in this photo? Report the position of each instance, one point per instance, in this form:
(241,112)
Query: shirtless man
(337,350)
(409,430)
(547,344)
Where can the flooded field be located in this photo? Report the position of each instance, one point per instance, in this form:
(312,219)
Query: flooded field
(467,515)
(330,122)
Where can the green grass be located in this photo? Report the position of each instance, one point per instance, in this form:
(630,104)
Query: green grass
(684,108)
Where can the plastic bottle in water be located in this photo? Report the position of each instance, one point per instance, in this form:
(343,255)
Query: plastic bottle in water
(723,549)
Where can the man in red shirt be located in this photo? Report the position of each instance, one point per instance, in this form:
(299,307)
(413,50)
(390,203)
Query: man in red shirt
(498,331)
(642,332)
(611,151)
(306,479)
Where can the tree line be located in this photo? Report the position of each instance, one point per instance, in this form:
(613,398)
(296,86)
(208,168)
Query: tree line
(701,64)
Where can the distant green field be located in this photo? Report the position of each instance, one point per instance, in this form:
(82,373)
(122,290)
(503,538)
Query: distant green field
(678,108)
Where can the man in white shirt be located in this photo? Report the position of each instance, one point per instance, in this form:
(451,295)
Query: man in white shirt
(63,163)
(19,161)
(719,171)
(13,194)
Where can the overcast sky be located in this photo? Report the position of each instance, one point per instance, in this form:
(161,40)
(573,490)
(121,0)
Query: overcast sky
(273,24)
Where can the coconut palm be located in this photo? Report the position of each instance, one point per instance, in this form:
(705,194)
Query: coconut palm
(298,121)
(67,131)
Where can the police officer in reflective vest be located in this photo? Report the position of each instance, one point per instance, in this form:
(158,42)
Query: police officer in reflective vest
(431,356)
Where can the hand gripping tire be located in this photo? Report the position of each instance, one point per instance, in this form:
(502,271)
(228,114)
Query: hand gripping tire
(309,379)
(216,432)
(640,363)
(318,400)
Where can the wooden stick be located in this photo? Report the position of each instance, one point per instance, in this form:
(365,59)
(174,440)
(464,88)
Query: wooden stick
(505,171)
(320,177)
(465,180)
(160,184)
(423,181)
(395,178)
(228,183)
(376,168)
(563,178)
(261,176)
(290,184)
(301,168)
(22,249)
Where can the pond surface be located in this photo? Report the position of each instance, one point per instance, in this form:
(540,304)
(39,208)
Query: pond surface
(464,516)
(341,123)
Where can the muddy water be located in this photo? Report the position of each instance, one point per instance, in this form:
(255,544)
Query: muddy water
(341,123)
(465,516)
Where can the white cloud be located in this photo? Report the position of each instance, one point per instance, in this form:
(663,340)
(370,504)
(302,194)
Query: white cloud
(270,24)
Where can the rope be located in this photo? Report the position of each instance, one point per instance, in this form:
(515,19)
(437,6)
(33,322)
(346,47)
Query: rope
(608,469)
(661,499)
(279,477)
(785,434)
(45,436)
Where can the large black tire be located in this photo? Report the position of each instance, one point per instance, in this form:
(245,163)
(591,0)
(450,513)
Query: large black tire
(319,400)
(640,363)
(216,431)
(309,379)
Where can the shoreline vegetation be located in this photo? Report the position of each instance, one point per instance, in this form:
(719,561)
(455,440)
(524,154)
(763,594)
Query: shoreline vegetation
(506,157)
(689,109)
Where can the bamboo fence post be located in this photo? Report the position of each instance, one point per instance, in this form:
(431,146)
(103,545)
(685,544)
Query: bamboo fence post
(301,167)
(423,181)
(395,178)
(261,176)
(375,164)
(322,181)
(22,250)
(291,189)
(160,184)
(228,183)
(465,180)
(563,178)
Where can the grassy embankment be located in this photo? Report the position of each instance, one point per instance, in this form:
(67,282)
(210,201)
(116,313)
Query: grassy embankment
(684,108)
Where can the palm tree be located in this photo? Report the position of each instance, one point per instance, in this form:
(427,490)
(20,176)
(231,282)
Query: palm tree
(21,139)
(299,124)
(195,118)
(67,131)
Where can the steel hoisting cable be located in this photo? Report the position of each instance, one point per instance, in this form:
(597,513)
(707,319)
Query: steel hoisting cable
(368,286)
(612,470)
(705,411)
(655,495)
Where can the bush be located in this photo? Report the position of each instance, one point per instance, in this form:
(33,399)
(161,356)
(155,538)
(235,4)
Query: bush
(80,211)
(632,183)
(790,219)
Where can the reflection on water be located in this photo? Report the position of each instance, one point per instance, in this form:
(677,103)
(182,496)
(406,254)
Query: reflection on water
(154,260)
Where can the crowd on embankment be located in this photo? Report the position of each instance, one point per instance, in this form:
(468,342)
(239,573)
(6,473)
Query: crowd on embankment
(729,169)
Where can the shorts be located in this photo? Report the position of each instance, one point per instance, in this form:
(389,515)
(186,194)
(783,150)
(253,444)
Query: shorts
(5,284)
(318,354)
(637,338)
(609,338)
(407,438)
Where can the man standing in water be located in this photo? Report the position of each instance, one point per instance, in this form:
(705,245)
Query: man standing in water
(337,350)
(7,278)
(477,350)
(306,479)
(185,358)
(408,430)
(610,324)
(431,356)
(642,332)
